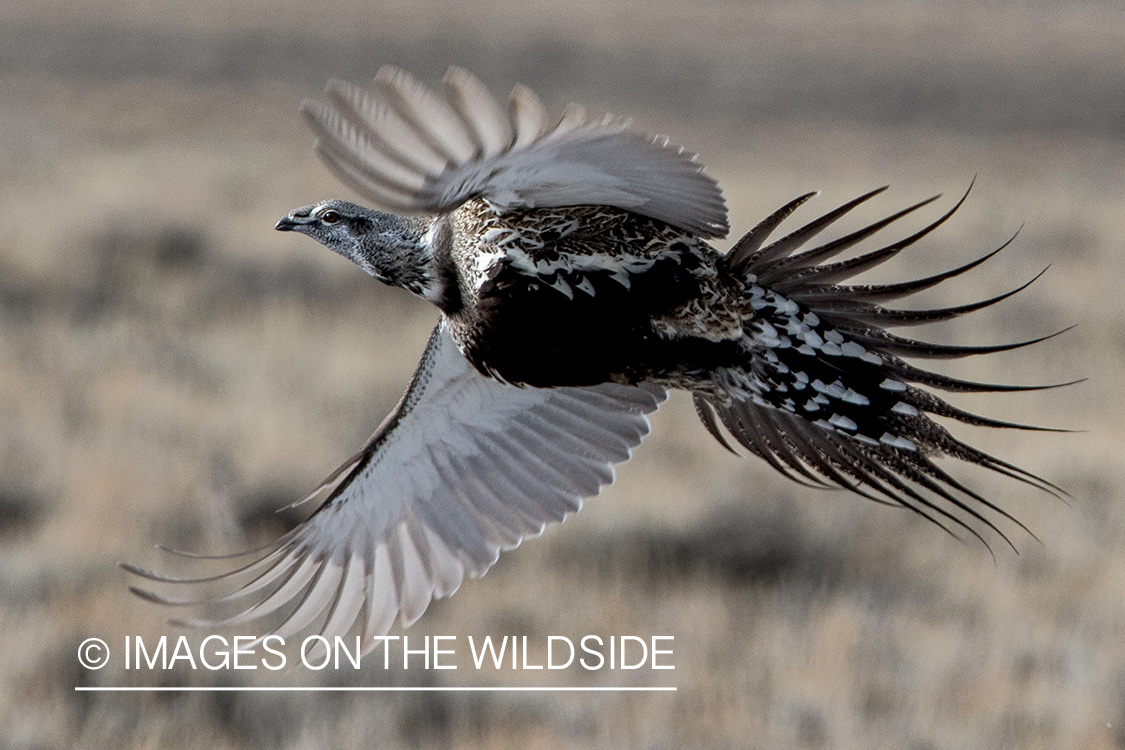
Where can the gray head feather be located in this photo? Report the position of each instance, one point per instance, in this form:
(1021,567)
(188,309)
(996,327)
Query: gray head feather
(391,248)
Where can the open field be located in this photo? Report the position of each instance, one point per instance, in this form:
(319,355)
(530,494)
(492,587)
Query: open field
(172,370)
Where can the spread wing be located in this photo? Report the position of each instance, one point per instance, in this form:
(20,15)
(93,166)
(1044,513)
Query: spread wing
(412,151)
(464,467)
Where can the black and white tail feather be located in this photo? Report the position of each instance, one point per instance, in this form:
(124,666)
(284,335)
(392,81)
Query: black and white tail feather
(467,466)
(866,425)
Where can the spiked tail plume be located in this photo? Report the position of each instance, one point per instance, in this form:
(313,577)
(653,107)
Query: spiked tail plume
(838,406)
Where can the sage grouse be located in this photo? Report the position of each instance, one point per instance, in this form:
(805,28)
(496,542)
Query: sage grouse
(576,286)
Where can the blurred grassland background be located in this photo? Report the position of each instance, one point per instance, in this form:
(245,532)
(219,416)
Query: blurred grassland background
(172,370)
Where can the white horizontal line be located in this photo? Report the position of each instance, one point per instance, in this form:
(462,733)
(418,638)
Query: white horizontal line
(418,689)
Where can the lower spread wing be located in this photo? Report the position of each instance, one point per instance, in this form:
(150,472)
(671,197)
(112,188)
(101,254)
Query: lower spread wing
(464,467)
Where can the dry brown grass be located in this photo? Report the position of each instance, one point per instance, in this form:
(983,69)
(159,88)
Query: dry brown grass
(171,367)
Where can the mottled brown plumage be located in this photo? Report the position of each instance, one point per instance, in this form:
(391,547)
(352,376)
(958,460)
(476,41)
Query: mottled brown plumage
(589,294)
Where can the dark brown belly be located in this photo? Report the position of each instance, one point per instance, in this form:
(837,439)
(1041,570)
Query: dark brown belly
(644,358)
(543,338)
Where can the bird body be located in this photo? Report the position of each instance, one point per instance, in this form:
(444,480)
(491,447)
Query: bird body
(576,285)
(569,296)
(585,295)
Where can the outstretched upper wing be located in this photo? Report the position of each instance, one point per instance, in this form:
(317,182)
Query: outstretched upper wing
(411,151)
(464,467)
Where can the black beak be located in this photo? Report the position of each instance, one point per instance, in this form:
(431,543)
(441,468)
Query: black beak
(287,224)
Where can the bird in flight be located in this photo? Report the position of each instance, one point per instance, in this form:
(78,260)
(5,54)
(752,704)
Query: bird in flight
(571,266)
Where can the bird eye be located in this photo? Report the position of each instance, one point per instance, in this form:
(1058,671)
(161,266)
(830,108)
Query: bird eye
(330,217)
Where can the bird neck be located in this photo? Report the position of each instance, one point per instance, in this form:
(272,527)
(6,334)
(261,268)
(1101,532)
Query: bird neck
(413,253)
(443,287)
(393,249)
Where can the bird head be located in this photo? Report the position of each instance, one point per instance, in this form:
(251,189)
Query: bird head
(393,249)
